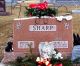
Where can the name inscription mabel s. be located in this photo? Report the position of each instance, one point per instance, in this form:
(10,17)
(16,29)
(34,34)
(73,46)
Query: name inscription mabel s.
(42,27)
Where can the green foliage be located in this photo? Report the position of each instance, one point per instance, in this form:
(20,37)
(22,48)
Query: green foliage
(38,12)
(65,62)
(29,60)
(54,60)
(18,61)
(29,63)
(51,12)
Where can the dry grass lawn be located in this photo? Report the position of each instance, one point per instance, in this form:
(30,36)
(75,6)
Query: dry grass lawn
(6,23)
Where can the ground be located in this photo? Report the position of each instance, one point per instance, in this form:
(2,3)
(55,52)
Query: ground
(7,21)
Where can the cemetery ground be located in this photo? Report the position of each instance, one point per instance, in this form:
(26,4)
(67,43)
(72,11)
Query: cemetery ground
(7,21)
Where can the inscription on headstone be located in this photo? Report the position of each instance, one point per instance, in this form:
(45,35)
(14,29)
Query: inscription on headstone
(25,44)
(2,5)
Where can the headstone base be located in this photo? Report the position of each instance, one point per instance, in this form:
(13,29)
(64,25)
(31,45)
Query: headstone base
(4,13)
(8,56)
(11,56)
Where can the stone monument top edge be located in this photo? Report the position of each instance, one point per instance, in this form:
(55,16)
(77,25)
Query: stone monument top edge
(33,17)
(43,17)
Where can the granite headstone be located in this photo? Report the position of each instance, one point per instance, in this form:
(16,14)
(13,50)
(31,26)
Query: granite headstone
(2,5)
(2,8)
(26,31)
(75,53)
(11,2)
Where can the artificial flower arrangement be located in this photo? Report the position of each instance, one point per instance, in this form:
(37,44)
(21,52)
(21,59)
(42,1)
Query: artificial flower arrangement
(32,60)
(48,55)
(40,9)
(55,60)
(51,57)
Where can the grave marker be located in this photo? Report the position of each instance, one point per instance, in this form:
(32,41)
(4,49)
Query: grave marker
(2,7)
(25,30)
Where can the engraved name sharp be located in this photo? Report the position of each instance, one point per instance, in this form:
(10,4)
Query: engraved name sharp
(42,27)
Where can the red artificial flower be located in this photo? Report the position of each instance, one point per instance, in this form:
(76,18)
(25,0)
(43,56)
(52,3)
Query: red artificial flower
(42,5)
(33,6)
(46,4)
(58,64)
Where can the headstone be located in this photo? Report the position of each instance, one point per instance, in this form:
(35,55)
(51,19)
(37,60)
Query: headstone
(11,2)
(2,7)
(26,31)
(76,11)
(49,1)
(75,53)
